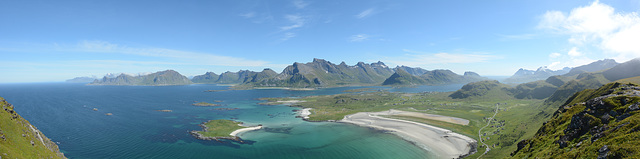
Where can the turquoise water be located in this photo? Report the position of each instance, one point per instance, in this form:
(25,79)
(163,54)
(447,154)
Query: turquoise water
(63,112)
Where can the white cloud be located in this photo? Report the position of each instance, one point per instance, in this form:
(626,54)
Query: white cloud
(248,15)
(299,4)
(168,54)
(288,36)
(417,58)
(365,13)
(574,52)
(359,38)
(615,33)
(296,20)
(554,55)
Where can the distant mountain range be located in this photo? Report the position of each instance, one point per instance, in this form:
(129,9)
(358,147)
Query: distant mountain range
(162,78)
(81,80)
(524,75)
(318,73)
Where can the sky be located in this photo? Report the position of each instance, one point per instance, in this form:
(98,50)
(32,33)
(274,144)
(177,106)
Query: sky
(49,41)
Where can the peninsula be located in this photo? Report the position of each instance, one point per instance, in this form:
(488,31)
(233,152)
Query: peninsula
(222,129)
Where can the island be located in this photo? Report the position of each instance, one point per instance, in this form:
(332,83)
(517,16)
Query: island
(222,129)
(205,104)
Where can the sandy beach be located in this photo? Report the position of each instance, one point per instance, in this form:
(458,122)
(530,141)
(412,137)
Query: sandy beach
(442,142)
(304,113)
(236,132)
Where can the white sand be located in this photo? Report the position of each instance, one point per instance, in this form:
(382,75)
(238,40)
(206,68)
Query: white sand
(289,102)
(448,119)
(442,142)
(236,132)
(304,113)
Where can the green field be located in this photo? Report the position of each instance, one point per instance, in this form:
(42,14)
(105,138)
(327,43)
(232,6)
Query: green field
(220,128)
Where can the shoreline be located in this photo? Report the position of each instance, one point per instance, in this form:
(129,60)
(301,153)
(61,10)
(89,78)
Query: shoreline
(236,132)
(442,142)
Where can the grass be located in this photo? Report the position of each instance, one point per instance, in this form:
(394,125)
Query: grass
(18,137)
(205,104)
(220,128)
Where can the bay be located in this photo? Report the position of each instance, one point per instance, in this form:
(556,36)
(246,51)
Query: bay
(65,113)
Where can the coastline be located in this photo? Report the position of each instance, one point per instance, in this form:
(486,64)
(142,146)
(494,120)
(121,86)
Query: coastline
(237,132)
(442,142)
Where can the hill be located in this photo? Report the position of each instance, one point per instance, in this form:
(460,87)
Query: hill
(482,89)
(594,123)
(20,139)
(161,78)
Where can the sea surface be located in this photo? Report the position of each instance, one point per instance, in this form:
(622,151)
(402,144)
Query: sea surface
(65,113)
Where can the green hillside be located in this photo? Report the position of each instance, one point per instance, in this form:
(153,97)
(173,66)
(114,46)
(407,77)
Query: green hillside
(20,139)
(594,123)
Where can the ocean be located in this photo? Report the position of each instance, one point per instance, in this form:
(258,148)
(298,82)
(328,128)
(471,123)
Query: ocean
(65,113)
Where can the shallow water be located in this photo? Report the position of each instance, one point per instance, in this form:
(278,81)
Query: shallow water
(63,112)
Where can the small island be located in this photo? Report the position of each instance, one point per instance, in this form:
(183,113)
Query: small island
(205,104)
(222,129)
(165,110)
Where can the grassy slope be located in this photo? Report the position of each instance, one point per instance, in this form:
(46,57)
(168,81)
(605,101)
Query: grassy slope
(15,145)
(220,128)
(622,141)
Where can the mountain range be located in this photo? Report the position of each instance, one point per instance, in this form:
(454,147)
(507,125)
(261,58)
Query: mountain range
(524,75)
(318,73)
(161,78)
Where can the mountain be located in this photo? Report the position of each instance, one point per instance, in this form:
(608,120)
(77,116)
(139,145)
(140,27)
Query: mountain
(322,73)
(481,89)
(20,139)
(524,75)
(81,80)
(208,77)
(623,70)
(417,71)
(593,123)
(161,78)
(242,76)
(402,77)
(593,67)
(425,77)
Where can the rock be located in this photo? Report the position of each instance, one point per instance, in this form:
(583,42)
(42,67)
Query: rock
(604,152)
(634,107)
(108,114)
(33,143)
(95,109)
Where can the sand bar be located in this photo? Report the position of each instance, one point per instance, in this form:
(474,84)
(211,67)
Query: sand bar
(236,132)
(442,142)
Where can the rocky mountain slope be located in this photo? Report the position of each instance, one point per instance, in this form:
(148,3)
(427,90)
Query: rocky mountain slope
(424,77)
(322,73)
(524,75)
(20,139)
(594,123)
(161,78)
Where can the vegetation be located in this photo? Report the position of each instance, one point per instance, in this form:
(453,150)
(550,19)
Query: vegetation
(20,139)
(219,128)
(594,123)
(205,104)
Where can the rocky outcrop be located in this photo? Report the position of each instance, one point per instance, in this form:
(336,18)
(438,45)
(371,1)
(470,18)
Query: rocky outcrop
(600,123)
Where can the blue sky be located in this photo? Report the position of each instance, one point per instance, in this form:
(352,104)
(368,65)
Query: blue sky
(44,41)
